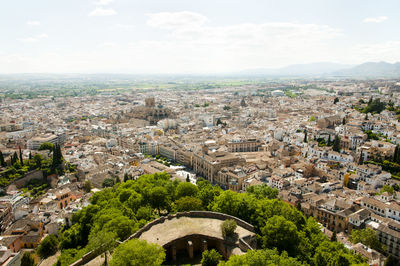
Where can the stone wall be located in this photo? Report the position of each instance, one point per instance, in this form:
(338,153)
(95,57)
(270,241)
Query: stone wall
(193,214)
(85,259)
(35,174)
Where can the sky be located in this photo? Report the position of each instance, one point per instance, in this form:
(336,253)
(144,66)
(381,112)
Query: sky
(193,36)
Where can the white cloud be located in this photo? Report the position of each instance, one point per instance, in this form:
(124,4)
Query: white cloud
(109,45)
(33,23)
(28,40)
(123,26)
(103,2)
(101,11)
(42,36)
(384,51)
(171,20)
(191,45)
(375,19)
(33,39)
(196,46)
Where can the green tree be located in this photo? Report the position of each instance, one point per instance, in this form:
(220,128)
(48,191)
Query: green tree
(38,160)
(262,257)
(27,259)
(135,201)
(207,192)
(21,159)
(2,161)
(121,225)
(186,189)
(298,206)
(108,182)
(87,187)
(138,252)
(126,177)
(228,228)
(263,191)
(344,121)
(159,198)
(305,136)
(387,188)
(280,233)
(48,246)
(188,204)
(334,236)
(210,258)
(336,100)
(336,144)
(396,155)
(102,242)
(14,158)
(144,213)
(187,178)
(57,156)
(46,146)
(334,253)
(368,237)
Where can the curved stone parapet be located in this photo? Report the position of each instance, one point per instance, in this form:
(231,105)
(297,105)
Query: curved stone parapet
(193,214)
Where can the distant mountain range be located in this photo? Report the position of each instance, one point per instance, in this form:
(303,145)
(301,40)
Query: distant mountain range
(371,69)
(326,69)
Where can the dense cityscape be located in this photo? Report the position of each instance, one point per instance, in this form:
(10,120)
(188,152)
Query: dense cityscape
(328,148)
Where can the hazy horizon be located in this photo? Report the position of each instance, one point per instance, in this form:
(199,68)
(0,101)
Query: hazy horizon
(189,37)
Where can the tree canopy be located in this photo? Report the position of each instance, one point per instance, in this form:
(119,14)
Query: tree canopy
(46,146)
(210,258)
(368,237)
(138,252)
(48,246)
(126,207)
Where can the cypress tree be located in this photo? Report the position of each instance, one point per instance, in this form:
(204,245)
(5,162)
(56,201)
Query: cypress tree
(336,144)
(2,162)
(305,136)
(126,177)
(14,158)
(20,156)
(361,160)
(30,156)
(334,237)
(396,156)
(59,154)
(344,121)
(54,162)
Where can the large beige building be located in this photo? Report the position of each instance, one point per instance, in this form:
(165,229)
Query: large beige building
(207,163)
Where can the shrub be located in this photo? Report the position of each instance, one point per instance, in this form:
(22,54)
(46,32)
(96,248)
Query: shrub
(210,258)
(228,228)
(48,246)
(108,182)
(27,259)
